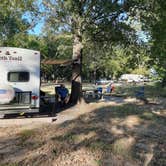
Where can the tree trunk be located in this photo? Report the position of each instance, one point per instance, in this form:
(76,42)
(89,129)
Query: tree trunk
(94,75)
(76,87)
(164,81)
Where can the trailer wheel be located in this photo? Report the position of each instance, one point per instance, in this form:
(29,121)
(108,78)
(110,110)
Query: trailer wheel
(6,94)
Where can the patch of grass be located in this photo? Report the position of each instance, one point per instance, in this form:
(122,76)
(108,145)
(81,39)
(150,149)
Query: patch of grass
(26,134)
(70,137)
(152,90)
(99,162)
(127,90)
(98,145)
(153,117)
(155,90)
(147,116)
(122,147)
(31,145)
(125,110)
(10,164)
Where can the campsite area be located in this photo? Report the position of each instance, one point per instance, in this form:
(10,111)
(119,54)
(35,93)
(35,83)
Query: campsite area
(82,82)
(119,131)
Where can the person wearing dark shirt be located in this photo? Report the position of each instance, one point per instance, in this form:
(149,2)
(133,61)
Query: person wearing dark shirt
(62,93)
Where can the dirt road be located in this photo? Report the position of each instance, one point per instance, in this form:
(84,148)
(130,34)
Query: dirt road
(68,114)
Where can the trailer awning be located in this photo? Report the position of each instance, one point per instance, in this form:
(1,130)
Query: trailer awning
(57,62)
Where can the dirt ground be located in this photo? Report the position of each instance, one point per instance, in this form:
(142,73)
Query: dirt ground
(114,132)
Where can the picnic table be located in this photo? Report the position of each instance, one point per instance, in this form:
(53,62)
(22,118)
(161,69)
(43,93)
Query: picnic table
(94,92)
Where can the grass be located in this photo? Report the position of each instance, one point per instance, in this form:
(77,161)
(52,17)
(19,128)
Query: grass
(26,134)
(69,137)
(152,90)
(28,140)
(104,144)
(98,145)
(148,116)
(10,164)
(155,90)
(99,162)
(122,148)
(122,131)
(125,110)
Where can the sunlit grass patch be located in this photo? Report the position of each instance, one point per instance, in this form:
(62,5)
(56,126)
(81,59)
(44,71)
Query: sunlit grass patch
(147,116)
(99,162)
(99,145)
(85,136)
(68,137)
(123,146)
(26,134)
(10,164)
(27,138)
(125,110)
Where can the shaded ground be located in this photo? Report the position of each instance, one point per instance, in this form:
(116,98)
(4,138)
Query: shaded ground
(103,133)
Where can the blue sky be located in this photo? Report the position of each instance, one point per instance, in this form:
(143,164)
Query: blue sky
(37,29)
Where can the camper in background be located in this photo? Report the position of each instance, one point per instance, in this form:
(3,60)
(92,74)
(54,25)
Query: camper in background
(132,78)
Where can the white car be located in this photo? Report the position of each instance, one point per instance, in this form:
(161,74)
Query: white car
(103,82)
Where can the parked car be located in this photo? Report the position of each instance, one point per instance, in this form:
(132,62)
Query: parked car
(103,81)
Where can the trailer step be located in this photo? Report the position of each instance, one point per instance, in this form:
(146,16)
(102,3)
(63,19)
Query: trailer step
(14,107)
(17,111)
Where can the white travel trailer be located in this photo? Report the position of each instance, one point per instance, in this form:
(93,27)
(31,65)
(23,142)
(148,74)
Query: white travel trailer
(19,80)
(132,77)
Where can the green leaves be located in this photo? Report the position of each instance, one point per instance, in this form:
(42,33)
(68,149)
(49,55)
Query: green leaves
(13,20)
(158,33)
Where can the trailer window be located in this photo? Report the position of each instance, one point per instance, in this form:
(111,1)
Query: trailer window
(18,76)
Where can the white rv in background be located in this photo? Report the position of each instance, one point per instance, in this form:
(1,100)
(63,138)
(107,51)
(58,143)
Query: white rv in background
(19,80)
(132,77)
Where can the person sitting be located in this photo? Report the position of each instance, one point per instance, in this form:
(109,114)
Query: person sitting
(110,88)
(62,93)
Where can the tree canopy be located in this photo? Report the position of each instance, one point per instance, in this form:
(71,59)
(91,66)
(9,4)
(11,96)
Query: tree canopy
(16,18)
(100,22)
(101,36)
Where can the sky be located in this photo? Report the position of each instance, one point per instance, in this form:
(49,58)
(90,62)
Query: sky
(37,30)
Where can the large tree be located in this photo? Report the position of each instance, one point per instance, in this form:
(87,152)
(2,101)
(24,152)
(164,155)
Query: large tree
(88,20)
(159,38)
(153,16)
